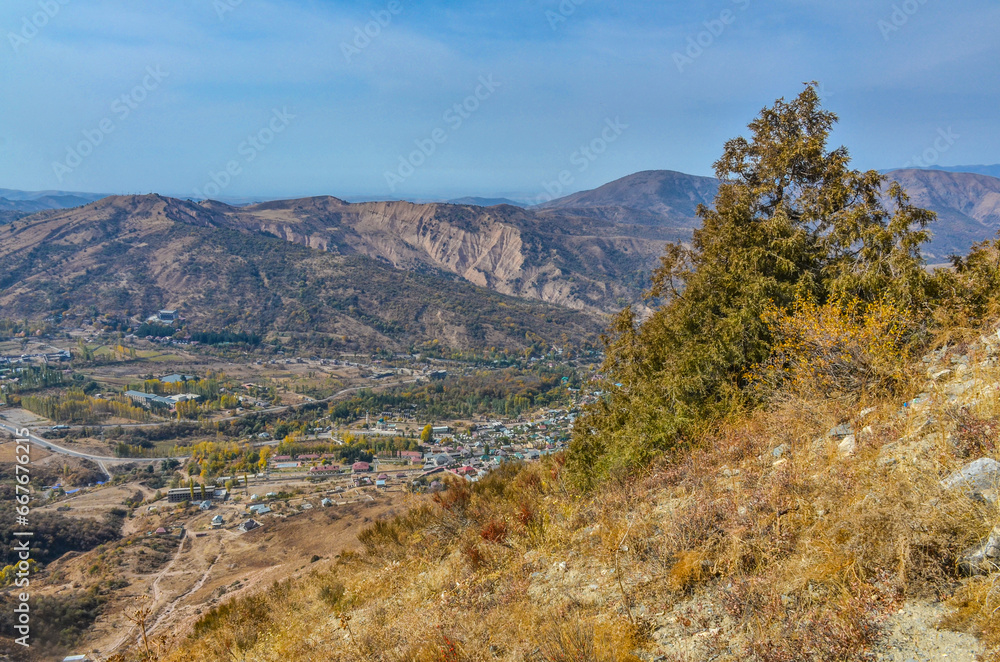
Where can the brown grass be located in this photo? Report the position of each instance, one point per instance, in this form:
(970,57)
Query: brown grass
(725,549)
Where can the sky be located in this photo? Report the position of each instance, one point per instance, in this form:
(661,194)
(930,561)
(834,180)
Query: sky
(441,99)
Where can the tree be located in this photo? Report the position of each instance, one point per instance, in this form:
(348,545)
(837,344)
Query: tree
(426,434)
(790,222)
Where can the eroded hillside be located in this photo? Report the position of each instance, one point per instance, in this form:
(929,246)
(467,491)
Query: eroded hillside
(133,255)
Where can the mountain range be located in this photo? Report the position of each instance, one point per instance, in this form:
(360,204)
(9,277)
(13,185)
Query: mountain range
(393,273)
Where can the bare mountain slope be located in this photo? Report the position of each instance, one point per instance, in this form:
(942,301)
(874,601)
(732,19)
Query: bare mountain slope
(670,198)
(968,206)
(134,254)
(561,257)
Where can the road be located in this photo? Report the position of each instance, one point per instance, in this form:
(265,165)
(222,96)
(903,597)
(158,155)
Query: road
(102,460)
(55,448)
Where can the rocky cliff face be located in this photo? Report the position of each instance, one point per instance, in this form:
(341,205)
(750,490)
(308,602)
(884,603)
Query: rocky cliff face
(562,258)
(322,267)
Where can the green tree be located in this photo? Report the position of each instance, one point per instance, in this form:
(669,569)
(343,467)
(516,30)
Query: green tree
(791,220)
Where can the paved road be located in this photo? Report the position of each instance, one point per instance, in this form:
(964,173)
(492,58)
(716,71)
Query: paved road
(101,460)
(269,410)
(55,448)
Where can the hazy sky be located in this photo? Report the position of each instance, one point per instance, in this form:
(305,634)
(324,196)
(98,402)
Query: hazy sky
(451,98)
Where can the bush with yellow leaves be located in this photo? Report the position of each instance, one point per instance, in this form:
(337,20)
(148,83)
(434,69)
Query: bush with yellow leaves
(844,346)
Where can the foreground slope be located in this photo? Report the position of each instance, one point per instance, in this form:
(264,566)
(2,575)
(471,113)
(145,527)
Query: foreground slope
(814,531)
(132,255)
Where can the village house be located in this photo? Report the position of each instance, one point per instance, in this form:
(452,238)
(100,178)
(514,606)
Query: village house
(248,525)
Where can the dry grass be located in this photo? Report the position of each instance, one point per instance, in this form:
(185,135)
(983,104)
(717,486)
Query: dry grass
(723,551)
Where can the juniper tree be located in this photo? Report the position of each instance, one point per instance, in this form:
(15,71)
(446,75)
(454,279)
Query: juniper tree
(790,220)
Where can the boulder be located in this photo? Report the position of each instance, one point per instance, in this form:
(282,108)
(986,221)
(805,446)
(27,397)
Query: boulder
(985,558)
(841,431)
(976,477)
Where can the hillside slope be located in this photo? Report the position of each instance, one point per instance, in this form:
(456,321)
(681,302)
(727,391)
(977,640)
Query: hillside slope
(563,258)
(660,198)
(814,531)
(133,255)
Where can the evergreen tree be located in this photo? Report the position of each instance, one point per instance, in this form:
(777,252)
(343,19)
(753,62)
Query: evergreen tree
(791,220)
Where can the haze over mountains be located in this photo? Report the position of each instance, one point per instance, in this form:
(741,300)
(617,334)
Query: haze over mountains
(392,273)
(17,204)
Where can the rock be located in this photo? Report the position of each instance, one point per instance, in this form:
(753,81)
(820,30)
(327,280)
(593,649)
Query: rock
(975,477)
(941,373)
(958,388)
(985,558)
(780,450)
(841,430)
(848,445)
(864,413)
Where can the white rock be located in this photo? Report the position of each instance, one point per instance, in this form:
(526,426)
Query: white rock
(978,476)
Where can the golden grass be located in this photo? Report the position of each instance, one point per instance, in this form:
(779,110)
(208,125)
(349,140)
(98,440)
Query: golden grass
(724,548)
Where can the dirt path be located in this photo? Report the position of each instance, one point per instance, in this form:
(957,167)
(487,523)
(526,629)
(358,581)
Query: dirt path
(912,636)
(167,570)
(163,573)
(169,608)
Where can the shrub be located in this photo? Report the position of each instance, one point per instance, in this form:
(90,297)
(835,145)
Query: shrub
(842,346)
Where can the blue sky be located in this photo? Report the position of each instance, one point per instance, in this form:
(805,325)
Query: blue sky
(281,98)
